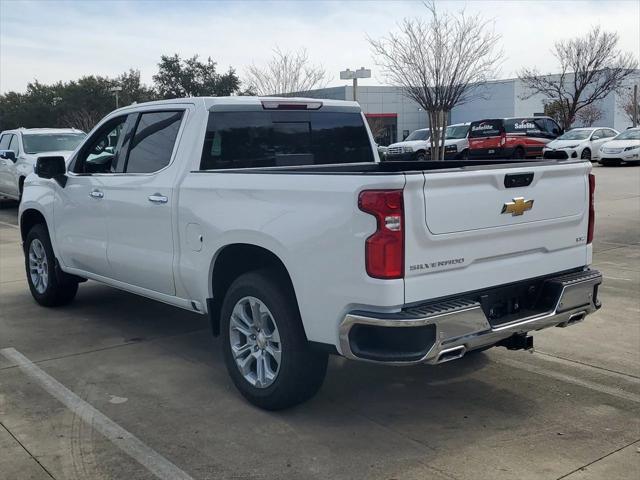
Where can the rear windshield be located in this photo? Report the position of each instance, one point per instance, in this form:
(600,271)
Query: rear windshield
(284,138)
(51,142)
(485,128)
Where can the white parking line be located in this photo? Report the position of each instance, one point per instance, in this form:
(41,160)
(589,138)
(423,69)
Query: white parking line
(125,441)
(8,224)
(616,392)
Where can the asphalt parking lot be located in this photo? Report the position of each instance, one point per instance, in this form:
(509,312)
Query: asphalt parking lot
(571,410)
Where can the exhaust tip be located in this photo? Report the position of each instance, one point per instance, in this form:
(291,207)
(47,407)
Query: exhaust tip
(451,354)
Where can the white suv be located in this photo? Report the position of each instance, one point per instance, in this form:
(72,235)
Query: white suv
(20,148)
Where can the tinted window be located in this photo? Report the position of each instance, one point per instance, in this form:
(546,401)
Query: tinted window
(13,145)
(610,133)
(552,127)
(284,138)
(526,126)
(598,134)
(4,141)
(152,144)
(51,142)
(485,128)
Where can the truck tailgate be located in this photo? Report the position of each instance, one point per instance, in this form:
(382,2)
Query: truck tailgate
(471,229)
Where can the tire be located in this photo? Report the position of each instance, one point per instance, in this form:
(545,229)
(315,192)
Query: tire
(585,155)
(301,370)
(20,189)
(518,153)
(421,156)
(465,154)
(49,286)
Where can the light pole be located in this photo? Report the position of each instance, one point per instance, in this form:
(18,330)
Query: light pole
(116,91)
(635,105)
(355,75)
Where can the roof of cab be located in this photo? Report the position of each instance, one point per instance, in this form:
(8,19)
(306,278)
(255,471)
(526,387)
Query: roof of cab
(43,130)
(244,100)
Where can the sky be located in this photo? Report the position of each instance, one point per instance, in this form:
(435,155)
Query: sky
(51,40)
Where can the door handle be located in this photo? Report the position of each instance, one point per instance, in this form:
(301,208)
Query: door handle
(96,194)
(157,198)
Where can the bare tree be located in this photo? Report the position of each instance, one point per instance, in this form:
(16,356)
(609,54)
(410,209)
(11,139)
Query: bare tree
(589,115)
(625,102)
(591,67)
(286,72)
(440,62)
(81,118)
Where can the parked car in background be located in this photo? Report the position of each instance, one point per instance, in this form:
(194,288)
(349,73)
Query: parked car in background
(382,151)
(20,148)
(274,217)
(456,141)
(414,147)
(625,148)
(581,143)
(522,137)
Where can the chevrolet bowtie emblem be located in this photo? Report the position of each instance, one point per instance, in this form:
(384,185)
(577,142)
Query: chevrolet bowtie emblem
(518,206)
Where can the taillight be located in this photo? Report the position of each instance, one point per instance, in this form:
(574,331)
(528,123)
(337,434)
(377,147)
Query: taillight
(592,210)
(384,250)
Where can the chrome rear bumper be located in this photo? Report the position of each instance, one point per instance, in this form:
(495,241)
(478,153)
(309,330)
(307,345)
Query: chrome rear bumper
(450,328)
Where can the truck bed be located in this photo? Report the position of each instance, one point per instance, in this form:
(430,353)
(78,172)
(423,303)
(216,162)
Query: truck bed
(385,168)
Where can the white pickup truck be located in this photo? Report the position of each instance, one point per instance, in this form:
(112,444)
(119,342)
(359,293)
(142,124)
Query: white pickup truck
(274,217)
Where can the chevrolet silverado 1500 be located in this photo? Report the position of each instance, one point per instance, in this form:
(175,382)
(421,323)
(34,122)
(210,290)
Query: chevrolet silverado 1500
(274,217)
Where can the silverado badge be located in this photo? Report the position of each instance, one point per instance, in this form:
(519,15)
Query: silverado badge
(518,206)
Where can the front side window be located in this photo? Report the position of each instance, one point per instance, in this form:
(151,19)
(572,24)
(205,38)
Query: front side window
(284,138)
(100,153)
(151,147)
(4,141)
(51,142)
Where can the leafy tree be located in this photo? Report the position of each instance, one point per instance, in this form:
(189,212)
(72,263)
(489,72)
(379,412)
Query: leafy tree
(178,78)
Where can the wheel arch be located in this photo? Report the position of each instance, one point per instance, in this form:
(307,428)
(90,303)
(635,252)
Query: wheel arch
(28,219)
(235,259)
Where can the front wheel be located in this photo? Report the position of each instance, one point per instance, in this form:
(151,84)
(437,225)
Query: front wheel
(265,349)
(586,154)
(49,287)
(421,156)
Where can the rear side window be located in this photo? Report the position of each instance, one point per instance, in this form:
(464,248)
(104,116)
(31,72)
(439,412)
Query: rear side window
(152,144)
(13,145)
(284,138)
(485,128)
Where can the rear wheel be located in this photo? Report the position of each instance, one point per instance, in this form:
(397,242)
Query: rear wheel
(49,286)
(518,153)
(265,349)
(586,154)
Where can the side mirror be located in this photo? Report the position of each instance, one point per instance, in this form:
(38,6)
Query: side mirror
(52,167)
(8,155)
(595,137)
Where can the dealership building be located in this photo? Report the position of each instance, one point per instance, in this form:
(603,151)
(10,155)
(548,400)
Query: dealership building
(396,116)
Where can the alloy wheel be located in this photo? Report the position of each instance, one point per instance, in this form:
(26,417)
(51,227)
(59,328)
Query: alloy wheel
(255,342)
(38,266)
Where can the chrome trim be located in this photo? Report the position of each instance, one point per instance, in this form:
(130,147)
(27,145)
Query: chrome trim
(466,327)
